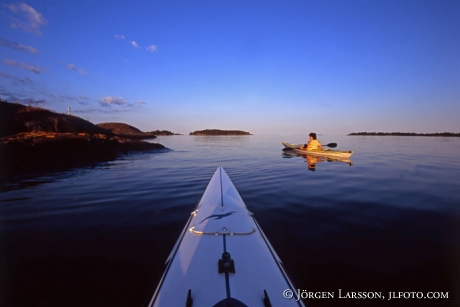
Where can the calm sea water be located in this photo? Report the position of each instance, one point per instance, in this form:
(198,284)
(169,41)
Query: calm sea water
(390,222)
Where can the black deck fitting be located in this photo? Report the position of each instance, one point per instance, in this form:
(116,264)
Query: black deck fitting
(226,264)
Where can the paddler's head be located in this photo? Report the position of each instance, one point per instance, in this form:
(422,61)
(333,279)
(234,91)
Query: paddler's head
(312,135)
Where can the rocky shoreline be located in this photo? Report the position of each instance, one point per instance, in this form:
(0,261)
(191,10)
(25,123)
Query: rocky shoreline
(34,139)
(48,151)
(126,131)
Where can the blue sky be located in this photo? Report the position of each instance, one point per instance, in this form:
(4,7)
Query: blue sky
(267,67)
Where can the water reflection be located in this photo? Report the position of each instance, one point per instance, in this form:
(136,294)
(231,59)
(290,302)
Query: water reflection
(221,140)
(389,223)
(312,161)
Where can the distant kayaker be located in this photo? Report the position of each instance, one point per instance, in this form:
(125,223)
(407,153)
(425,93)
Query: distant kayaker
(313,143)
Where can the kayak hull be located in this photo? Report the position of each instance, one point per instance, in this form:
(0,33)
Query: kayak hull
(291,146)
(320,153)
(199,269)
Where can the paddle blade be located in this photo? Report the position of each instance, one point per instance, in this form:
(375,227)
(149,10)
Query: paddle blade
(331,145)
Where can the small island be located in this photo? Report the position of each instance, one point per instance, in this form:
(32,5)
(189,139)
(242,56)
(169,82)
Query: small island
(219,132)
(126,131)
(34,139)
(440,134)
(164,132)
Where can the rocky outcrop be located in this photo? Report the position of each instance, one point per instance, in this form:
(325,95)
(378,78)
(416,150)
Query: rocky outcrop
(126,131)
(164,132)
(35,139)
(17,118)
(49,151)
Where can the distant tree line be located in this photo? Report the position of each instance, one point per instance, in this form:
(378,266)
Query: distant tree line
(35,103)
(163,132)
(219,132)
(406,134)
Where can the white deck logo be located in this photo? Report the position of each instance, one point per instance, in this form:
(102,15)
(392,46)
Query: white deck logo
(218,216)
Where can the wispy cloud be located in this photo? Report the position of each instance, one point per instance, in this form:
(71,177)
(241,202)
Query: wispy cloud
(85,111)
(104,110)
(21,81)
(117,102)
(22,93)
(12,97)
(83,100)
(74,68)
(110,100)
(16,46)
(31,68)
(60,98)
(134,44)
(152,48)
(26,18)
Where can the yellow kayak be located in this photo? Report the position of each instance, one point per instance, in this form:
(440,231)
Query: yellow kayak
(323,153)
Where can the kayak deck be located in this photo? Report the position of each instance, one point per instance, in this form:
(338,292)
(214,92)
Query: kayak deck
(222,257)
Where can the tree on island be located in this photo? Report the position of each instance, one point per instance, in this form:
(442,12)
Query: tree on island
(163,132)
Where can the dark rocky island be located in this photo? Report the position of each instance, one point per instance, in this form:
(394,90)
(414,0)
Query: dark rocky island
(126,131)
(17,118)
(441,134)
(219,132)
(34,139)
(164,132)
